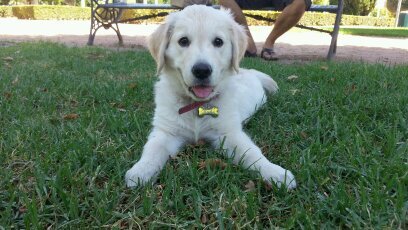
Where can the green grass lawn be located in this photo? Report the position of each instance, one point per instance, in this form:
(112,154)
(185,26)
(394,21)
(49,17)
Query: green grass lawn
(73,120)
(366,31)
(379,32)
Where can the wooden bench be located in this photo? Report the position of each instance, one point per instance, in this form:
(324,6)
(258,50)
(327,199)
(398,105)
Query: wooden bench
(108,14)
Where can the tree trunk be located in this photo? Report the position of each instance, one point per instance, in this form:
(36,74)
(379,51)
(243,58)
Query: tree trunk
(398,12)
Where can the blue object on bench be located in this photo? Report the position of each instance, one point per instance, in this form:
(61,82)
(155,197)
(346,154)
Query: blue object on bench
(107,15)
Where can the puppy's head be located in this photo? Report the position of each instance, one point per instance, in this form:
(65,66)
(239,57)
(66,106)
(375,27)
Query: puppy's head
(200,45)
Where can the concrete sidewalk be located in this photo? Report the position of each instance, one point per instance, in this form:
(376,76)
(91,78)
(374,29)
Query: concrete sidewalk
(292,46)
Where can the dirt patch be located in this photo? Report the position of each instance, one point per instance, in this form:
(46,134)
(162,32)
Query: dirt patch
(292,47)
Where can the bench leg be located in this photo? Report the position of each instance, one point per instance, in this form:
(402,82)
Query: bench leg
(96,26)
(92,31)
(106,18)
(115,27)
(335,33)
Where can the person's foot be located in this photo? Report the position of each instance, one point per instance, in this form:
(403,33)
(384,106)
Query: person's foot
(269,54)
(250,54)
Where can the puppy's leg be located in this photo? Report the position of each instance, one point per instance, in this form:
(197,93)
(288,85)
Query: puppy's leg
(239,146)
(267,82)
(159,147)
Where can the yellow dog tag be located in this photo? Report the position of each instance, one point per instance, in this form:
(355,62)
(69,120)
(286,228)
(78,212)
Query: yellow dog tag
(208,111)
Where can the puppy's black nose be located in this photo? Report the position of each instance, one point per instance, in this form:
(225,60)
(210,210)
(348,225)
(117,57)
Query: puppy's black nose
(201,70)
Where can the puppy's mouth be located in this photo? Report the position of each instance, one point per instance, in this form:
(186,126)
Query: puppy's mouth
(201,91)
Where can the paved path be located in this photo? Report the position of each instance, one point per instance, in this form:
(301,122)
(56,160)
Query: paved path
(293,46)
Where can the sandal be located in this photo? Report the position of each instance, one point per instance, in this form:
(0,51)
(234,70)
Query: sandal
(250,54)
(269,54)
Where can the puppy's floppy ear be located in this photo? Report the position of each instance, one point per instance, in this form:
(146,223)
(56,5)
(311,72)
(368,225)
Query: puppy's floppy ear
(239,41)
(158,42)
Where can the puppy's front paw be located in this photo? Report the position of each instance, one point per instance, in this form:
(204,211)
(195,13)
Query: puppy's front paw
(140,174)
(280,176)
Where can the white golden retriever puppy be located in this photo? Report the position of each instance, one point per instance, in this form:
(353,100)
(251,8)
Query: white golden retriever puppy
(202,94)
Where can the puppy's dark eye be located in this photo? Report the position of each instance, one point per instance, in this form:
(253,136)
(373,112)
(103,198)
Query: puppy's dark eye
(184,42)
(218,42)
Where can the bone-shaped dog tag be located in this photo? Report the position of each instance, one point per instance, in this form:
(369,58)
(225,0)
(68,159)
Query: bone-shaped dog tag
(212,111)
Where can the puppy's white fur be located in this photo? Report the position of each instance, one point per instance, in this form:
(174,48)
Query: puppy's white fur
(236,92)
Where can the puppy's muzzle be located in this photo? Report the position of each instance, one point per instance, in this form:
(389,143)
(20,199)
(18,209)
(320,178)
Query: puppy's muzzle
(201,70)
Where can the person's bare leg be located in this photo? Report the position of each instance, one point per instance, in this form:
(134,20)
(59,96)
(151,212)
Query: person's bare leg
(289,17)
(240,18)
